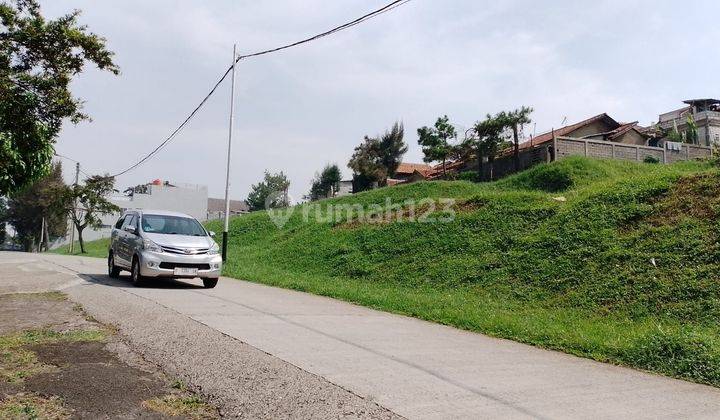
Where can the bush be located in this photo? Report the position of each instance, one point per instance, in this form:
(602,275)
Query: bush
(550,178)
(468,176)
(651,159)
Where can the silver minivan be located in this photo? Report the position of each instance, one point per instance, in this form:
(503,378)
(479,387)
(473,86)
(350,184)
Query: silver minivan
(155,243)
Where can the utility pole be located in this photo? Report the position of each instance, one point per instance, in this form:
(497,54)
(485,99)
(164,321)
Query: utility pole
(72,223)
(42,233)
(227,174)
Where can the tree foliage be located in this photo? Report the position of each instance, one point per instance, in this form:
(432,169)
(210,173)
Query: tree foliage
(436,141)
(38,60)
(325,182)
(377,158)
(28,207)
(85,203)
(271,192)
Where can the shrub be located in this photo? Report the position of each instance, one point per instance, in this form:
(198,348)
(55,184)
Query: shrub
(468,176)
(550,178)
(651,159)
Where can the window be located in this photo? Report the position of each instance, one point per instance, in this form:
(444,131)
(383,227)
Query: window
(120,221)
(129,220)
(172,225)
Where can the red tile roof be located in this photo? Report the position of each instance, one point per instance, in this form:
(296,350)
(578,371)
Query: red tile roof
(410,168)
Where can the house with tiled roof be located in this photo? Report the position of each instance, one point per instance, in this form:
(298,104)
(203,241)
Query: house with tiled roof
(410,172)
(600,136)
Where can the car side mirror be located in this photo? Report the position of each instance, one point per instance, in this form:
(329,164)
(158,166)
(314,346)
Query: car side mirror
(212,234)
(130,229)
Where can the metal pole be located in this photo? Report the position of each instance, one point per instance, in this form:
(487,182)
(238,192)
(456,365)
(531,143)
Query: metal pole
(42,232)
(72,223)
(227,174)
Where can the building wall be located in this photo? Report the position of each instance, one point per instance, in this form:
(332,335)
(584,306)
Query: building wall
(611,150)
(632,137)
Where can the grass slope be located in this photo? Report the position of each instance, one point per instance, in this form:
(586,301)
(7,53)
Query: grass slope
(97,248)
(624,270)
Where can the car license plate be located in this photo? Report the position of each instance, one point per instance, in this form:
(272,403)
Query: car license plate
(185,271)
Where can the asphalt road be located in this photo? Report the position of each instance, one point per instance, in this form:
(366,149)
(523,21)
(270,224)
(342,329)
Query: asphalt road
(268,352)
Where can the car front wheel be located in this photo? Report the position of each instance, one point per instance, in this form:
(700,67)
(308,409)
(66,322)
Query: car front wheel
(137,279)
(209,283)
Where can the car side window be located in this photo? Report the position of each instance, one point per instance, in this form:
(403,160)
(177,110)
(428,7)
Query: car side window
(120,221)
(129,220)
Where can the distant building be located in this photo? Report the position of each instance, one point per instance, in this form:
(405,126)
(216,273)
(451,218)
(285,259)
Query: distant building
(157,195)
(410,172)
(216,208)
(345,187)
(705,113)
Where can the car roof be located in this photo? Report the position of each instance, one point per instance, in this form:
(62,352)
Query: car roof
(161,213)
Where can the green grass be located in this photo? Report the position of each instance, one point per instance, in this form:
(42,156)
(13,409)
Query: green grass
(97,249)
(614,261)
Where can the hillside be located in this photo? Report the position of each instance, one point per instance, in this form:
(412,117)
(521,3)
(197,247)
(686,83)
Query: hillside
(604,259)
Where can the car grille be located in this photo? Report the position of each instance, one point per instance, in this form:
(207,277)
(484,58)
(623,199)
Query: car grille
(172,266)
(184,251)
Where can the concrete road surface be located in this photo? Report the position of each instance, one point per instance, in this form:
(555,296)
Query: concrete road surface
(412,368)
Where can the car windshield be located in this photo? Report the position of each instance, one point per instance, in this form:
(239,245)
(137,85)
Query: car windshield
(172,225)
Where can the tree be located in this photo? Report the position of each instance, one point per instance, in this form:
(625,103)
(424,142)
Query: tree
(271,192)
(378,158)
(691,132)
(28,207)
(435,141)
(487,140)
(514,120)
(325,183)
(38,60)
(86,203)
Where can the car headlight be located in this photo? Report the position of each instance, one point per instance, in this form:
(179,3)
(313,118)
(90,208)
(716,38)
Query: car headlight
(151,246)
(214,249)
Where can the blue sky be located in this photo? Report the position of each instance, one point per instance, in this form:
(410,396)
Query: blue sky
(305,107)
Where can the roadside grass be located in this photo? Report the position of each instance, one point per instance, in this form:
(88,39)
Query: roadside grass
(33,406)
(187,406)
(591,257)
(17,362)
(98,249)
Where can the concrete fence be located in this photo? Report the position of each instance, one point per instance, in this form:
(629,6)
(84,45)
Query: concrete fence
(568,146)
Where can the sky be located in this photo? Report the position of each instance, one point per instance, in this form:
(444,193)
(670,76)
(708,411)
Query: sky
(300,109)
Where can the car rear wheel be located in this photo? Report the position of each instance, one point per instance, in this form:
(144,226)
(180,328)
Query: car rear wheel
(137,279)
(209,283)
(113,270)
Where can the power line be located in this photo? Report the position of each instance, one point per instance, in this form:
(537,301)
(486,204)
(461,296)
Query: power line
(72,160)
(374,13)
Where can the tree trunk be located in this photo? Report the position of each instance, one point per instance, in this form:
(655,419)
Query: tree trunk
(491,161)
(480,174)
(46,236)
(444,172)
(80,239)
(517,147)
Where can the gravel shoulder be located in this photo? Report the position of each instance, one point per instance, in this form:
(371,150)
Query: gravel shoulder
(56,362)
(238,379)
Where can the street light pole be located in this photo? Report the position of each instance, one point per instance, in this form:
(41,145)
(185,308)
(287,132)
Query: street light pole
(227,174)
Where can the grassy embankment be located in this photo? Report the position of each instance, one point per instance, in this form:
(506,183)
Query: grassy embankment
(614,261)
(97,249)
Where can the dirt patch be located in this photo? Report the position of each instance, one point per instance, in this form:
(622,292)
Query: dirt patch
(69,366)
(29,311)
(696,196)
